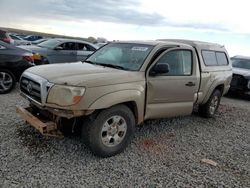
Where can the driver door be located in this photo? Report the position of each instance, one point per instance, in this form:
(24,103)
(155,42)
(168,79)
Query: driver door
(173,93)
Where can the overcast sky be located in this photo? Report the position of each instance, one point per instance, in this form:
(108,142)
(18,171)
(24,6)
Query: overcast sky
(220,21)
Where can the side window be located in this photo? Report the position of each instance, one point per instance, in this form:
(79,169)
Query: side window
(90,48)
(209,58)
(85,47)
(221,58)
(68,46)
(179,61)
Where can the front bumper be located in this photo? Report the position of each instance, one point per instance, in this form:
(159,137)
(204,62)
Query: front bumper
(239,84)
(43,125)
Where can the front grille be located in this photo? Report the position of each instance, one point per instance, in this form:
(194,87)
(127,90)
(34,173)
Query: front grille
(31,88)
(239,81)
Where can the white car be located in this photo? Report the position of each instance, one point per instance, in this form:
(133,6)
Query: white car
(19,41)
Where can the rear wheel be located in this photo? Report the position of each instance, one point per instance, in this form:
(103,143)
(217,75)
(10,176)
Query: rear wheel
(110,131)
(7,81)
(209,109)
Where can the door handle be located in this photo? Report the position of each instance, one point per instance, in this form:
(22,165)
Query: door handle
(190,84)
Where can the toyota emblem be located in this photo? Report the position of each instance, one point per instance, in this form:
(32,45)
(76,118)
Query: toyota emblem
(29,87)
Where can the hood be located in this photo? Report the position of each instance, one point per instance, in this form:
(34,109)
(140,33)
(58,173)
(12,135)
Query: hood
(243,72)
(85,74)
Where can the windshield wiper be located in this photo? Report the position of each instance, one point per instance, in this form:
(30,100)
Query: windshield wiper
(106,65)
(88,61)
(112,66)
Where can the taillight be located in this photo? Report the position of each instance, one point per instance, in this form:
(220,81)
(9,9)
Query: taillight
(28,58)
(7,40)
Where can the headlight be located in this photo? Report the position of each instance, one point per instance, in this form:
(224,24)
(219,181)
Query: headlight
(65,95)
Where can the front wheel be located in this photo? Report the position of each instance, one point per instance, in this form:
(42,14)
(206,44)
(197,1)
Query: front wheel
(110,131)
(7,81)
(209,109)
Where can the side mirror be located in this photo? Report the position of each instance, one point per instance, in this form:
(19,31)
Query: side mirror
(58,48)
(159,69)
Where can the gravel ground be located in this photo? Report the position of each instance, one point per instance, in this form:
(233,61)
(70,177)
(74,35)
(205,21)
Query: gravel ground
(164,153)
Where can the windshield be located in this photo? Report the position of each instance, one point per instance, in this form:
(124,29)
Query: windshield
(49,43)
(128,56)
(241,63)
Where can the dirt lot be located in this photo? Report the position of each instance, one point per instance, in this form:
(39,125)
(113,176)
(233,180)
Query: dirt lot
(164,153)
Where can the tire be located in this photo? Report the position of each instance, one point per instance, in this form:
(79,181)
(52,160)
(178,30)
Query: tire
(7,81)
(109,132)
(209,109)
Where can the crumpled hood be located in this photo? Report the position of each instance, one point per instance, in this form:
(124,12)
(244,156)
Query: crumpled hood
(85,74)
(243,72)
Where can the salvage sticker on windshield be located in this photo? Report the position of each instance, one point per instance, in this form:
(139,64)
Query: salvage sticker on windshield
(138,48)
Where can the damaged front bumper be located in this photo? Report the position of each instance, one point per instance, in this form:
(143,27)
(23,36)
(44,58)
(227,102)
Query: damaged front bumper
(44,126)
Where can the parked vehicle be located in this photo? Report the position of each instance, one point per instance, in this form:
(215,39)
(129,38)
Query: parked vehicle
(32,38)
(4,36)
(19,41)
(101,44)
(13,61)
(36,42)
(241,75)
(20,35)
(62,50)
(123,84)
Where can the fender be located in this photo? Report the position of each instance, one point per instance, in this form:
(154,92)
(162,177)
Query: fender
(212,88)
(122,96)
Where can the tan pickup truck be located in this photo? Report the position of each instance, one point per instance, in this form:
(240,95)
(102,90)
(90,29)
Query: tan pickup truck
(123,84)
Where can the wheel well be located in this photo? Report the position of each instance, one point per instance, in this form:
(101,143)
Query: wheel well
(133,107)
(220,88)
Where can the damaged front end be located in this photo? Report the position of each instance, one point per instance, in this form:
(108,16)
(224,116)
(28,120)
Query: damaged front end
(47,120)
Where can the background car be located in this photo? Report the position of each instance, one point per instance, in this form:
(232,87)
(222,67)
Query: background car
(36,42)
(4,36)
(32,38)
(62,50)
(19,41)
(241,75)
(13,62)
(101,44)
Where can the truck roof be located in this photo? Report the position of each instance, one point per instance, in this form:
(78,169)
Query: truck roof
(194,43)
(180,42)
(153,42)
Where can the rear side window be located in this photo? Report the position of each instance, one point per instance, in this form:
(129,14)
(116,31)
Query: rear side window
(221,58)
(213,58)
(85,47)
(209,58)
(68,46)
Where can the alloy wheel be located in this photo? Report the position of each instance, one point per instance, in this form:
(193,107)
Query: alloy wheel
(113,131)
(6,81)
(214,104)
